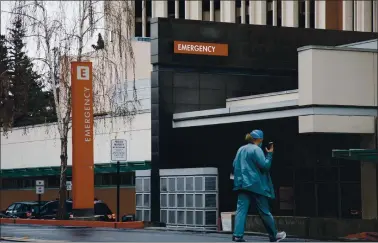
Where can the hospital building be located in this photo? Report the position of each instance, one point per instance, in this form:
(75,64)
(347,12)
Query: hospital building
(207,73)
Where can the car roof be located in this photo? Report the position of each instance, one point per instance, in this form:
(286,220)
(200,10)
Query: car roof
(26,202)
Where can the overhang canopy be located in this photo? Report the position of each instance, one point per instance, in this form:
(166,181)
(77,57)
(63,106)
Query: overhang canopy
(274,110)
(103,168)
(356,154)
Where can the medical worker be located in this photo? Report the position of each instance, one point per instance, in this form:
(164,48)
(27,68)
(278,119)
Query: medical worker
(253,184)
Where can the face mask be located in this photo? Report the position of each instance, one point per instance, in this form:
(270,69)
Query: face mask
(260,145)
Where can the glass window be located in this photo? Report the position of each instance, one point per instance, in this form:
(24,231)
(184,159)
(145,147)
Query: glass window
(210,183)
(139,201)
(351,200)
(199,200)
(198,184)
(189,183)
(17,207)
(138,185)
(327,174)
(305,199)
(180,184)
(180,200)
(327,200)
(180,217)
(163,200)
(210,200)
(211,218)
(199,217)
(172,217)
(11,207)
(146,185)
(163,185)
(172,200)
(189,200)
(146,215)
(189,217)
(163,216)
(102,209)
(146,200)
(171,184)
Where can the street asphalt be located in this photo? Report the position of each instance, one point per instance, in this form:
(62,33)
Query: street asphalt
(80,234)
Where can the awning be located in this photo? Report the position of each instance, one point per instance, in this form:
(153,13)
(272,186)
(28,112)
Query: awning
(356,154)
(103,168)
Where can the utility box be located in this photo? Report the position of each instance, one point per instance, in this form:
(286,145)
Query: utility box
(188,197)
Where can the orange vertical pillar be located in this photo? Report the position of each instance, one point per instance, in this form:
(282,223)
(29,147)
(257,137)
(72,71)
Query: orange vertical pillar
(82,139)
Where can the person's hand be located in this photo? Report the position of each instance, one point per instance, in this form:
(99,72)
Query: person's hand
(271,149)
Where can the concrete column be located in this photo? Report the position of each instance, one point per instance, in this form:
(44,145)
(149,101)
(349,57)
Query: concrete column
(228,11)
(320,14)
(364,13)
(251,11)
(159,9)
(291,13)
(347,15)
(375,16)
(187,9)
(242,11)
(275,10)
(177,9)
(144,18)
(196,9)
(307,13)
(355,15)
(212,13)
(368,182)
(261,12)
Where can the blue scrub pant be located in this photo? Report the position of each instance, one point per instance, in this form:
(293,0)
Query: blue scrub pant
(262,204)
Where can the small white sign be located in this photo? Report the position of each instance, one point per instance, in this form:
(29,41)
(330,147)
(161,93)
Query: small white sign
(40,183)
(40,189)
(69,185)
(119,150)
(82,73)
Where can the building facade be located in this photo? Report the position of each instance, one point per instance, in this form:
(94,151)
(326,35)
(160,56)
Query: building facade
(351,15)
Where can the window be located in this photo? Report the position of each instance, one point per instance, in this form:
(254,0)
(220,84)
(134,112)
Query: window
(102,209)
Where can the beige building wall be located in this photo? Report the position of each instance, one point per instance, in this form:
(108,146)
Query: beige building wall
(337,76)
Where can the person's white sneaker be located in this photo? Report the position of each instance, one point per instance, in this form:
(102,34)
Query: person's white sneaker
(280,236)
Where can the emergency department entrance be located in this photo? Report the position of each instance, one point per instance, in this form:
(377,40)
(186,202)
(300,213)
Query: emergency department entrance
(250,60)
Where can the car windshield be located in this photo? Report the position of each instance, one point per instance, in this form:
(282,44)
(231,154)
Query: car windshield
(102,209)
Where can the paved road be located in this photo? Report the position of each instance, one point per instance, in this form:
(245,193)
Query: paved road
(72,234)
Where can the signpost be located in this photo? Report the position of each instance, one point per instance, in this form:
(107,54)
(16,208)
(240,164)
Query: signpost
(118,153)
(39,189)
(68,188)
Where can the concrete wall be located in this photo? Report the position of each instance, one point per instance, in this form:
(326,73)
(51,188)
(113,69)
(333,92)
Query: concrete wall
(108,195)
(40,146)
(339,77)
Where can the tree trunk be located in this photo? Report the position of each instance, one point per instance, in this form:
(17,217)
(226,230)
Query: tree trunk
(63,178)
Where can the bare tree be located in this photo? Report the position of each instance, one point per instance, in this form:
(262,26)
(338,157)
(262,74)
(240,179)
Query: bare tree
(62,36)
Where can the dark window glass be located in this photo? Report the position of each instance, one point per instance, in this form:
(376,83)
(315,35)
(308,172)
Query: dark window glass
(351,200)
(305,199)
(327,174)
(102,209)
(327,200)
(304,174)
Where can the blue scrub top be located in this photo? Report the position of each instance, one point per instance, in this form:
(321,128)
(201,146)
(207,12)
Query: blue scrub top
(251,170)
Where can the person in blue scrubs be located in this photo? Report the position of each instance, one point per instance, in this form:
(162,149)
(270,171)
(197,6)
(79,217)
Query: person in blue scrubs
(253,184)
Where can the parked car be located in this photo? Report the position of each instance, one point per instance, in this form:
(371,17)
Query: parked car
(101,210)
(21,210)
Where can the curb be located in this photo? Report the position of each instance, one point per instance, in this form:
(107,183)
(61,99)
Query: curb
(341,239)
(77,223)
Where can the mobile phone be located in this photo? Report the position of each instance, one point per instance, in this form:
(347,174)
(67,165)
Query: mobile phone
(270,144)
